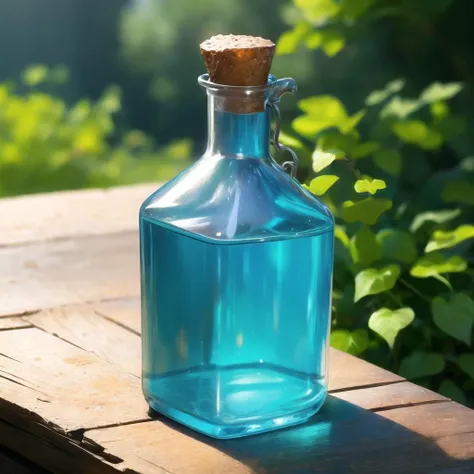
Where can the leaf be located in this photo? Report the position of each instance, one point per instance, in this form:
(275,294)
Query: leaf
(417,133)
(324,107)
(439,217)
(291,141)
(340,234)
(422,364)
(450,390)
(367,210)
(437,91)
(354,342)
(365,149)
(447,239)
(389,161)
(377,97)
(433,264)
(454,317)
(461,191)
(373,281)
(322,160)
(321,184)
(336,143)
(291,39)
(351,122)
(35,75)
(397,245)
(400,108)
(332,42)
(468,164)
(388,323)
(317,11)
(369,185)
(466,362)
(364,247)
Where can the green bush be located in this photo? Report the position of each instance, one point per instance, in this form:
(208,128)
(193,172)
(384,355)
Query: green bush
(404,208)
(46,145)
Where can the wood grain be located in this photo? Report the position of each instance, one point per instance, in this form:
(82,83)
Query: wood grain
(390,396)
(55,273)
(123,312)
(63,384)
(13,323)
(82,326)
(39,217)
(342,438)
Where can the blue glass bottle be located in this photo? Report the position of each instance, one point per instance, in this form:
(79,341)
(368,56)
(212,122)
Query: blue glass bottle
(236,272)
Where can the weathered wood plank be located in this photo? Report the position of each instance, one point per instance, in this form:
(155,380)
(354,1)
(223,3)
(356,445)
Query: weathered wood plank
(342,438)
(123,312)
(13,323)
(63,384)
(70,213)
(346,372)
(56,273)
(53,451)
(390,396)
(82,326)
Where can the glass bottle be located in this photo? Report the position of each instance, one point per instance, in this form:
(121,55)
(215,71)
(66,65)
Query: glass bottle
(236,273)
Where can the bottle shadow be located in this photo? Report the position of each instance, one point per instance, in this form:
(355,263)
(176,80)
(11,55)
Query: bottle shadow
(341,439)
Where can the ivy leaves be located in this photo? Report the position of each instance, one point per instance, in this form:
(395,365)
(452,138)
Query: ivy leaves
(372,281)
(388,323)
(455,316)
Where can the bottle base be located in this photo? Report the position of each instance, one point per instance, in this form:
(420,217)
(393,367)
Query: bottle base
(235,401)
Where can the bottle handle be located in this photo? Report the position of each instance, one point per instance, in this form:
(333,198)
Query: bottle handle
(279,88)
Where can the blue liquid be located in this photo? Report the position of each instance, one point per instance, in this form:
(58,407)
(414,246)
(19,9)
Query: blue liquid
(234,334)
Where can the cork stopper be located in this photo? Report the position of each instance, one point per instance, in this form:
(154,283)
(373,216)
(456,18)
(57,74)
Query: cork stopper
(239,60)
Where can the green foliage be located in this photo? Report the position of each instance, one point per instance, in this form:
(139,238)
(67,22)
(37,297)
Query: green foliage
(403,206)
(373,281)
(422,364)
(46,145)
(387,323)
(455,317)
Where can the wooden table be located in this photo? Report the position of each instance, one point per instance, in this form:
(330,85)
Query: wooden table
(70,397)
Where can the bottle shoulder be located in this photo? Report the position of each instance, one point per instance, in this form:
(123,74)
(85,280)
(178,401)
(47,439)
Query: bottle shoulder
(237,199)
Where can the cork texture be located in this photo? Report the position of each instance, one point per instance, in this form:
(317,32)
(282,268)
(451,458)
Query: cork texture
(239,60)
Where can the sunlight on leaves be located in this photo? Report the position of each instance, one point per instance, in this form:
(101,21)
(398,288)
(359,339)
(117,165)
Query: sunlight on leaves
(321,184)
(291,39)
(322,160)
(387,323)
(437,91)
(433,264)
(439,217)
(369,185)
(446,239)
(35,75)
(422,364)
(455,317)
(353,342)
(399,108)
(373,281)
(367,210)
(364,247)
(317,11)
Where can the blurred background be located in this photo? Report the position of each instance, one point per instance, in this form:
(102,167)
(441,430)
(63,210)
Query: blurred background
(102,93)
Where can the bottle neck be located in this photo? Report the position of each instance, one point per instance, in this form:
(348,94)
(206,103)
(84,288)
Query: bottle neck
(237,134)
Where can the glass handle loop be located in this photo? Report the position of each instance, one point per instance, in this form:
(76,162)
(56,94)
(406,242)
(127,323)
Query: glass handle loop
(290,167)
